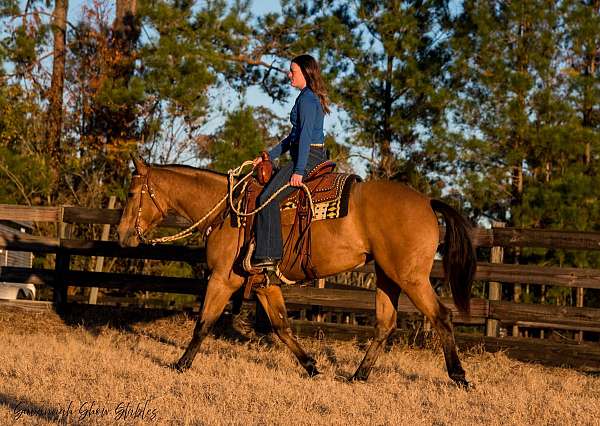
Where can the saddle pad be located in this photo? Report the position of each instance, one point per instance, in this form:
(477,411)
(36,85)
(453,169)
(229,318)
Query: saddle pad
(330,195)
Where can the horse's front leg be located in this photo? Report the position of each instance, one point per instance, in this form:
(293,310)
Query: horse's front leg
(272,300)
(218,293)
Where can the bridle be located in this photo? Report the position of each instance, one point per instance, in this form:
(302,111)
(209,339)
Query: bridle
(146,188)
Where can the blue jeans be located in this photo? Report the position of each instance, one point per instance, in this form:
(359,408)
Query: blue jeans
(269,242)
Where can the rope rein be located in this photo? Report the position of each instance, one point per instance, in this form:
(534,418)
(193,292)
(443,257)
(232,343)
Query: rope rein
(228,197)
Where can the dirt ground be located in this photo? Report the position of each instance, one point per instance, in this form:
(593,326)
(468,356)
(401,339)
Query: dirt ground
(78,369)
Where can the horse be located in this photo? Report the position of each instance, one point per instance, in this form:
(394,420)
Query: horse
(387,222)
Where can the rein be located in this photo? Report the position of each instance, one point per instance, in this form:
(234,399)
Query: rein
(228,197)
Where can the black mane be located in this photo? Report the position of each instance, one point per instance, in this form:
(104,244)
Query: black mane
(190,168)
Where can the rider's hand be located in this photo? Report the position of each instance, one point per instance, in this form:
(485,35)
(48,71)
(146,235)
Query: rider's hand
(256,161)
(296,180)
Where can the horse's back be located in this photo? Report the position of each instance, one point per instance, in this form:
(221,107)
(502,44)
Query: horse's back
(392,203)
(384,217)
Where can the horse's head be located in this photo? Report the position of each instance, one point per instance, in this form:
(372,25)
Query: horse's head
(144,209)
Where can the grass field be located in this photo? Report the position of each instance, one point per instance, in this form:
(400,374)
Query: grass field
(83,371)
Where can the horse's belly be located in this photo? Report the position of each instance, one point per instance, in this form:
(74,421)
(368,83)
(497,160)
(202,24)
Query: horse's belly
(336,246)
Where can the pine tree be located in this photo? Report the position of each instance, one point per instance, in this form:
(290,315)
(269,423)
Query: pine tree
(505,62)
(386,62)
(25,160)
(242,137)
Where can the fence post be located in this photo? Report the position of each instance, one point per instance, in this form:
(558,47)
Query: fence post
(579,304)
(320,284)
(494,288)
(542,301)
(517,294)
(63,261)
(100,259)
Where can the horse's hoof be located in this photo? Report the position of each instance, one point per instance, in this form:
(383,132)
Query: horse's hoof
(313,372)
(311,368)
(360,376)
(462,383)
(181,366)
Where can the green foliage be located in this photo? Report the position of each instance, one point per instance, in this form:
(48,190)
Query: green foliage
(523,144)
(24,179)
(242,137)
(9,7)
(24,166)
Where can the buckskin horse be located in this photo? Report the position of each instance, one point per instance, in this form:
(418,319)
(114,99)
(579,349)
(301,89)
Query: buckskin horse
(387,222)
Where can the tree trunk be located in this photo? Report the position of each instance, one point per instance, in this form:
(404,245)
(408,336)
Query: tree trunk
(125,27)
(386,163)
(589,70)
(55,96)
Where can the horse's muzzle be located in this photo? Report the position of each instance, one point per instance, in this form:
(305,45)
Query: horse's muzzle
(128,239)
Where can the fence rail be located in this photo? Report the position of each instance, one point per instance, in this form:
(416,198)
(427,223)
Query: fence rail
(350,300)
(502,237)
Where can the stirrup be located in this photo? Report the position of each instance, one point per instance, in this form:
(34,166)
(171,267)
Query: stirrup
(269,264)
(246,263)
(260,266)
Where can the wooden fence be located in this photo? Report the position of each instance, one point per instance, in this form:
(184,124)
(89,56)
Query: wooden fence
(343,302)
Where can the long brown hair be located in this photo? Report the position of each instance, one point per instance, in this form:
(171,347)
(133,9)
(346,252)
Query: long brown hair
(312,74)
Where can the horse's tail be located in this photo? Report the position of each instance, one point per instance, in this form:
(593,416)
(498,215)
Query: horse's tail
(460,260)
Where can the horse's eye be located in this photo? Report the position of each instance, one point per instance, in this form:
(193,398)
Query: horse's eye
(130,194)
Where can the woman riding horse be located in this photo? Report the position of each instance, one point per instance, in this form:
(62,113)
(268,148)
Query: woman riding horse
(387,223)
(306,145)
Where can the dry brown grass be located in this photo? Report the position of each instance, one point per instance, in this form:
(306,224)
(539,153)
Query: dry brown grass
(45,364)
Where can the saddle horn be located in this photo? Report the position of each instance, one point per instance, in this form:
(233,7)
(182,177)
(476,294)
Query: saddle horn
(264,168)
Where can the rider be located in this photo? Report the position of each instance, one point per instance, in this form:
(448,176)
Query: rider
(306,145)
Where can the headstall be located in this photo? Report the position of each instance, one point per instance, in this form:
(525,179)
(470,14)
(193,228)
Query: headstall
(146,188)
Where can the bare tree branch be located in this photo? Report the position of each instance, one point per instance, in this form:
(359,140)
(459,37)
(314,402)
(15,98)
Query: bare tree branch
(39,12)
(252,61)
(16,181)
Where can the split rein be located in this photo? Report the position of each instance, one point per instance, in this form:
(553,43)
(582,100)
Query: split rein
(232,174)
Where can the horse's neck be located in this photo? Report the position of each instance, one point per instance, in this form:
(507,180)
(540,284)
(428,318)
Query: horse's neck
(193,194)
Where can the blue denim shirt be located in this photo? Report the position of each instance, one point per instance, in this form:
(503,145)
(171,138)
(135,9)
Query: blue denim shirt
(307,128)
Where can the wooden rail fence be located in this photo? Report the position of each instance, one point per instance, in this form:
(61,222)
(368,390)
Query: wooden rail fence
(342,300)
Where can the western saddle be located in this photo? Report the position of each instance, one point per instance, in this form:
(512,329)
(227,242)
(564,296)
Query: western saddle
(329,192)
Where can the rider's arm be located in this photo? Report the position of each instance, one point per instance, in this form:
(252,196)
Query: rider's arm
(308,113)
(283,146)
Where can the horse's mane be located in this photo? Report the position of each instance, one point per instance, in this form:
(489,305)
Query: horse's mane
(188,169)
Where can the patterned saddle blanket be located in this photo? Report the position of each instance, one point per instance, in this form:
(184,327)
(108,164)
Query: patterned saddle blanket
(330,194)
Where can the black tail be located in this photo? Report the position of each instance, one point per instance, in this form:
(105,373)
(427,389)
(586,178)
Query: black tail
(460,260)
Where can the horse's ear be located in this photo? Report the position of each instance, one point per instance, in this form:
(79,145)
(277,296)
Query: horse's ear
(139,164)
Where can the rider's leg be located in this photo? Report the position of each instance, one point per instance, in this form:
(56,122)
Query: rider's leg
(269,242)
(268,221)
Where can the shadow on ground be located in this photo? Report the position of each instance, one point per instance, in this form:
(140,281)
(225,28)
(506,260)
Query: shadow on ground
(22,408)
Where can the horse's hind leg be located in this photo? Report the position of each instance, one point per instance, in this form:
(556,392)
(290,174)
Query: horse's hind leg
(272,300)
(218,293)
(386,302)
(424,298)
